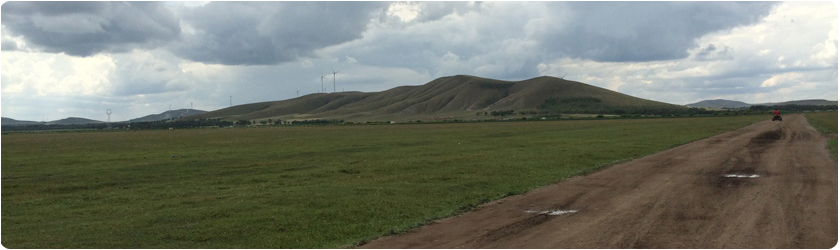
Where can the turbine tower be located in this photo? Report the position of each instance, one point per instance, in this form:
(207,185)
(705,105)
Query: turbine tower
(334,72)
(108,111)
(322,84)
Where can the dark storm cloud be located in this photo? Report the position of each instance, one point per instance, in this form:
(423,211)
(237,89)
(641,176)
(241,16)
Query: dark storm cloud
(712,52)
(8,45)
(509,40)
(87,28)
(249,33)
(645,31)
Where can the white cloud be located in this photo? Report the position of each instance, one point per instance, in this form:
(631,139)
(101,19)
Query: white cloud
(405,11)
(43,74)
(785,79)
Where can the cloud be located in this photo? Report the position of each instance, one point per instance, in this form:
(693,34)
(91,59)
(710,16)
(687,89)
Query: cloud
(712,53)
(230,33)
(119,75)
(773,60)
(509,40)
(8,45)
(263,33)
(258,33)
(54,74)
(148,72)
(481,39)
(431,11)
(88,28)
(642,31)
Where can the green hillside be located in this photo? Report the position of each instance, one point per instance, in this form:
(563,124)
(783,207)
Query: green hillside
(719,103)
(452,96)
(12,122)
(814,102)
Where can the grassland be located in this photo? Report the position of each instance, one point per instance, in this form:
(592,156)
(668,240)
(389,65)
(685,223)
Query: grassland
(296,187)
(826,122)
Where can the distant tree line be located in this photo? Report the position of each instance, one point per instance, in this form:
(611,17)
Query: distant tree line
(317,122)
(502,113)
(167,124)
(593,105)
(182,124)
(163,124)
(794,108)
(37,127)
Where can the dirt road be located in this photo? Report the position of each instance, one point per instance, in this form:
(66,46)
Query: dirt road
(768,185)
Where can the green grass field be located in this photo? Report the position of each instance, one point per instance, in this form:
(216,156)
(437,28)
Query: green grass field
(826,122)
(296,187)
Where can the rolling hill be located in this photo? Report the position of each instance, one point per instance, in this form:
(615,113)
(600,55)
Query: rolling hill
(66,121)
(729,104)
(815,102)
(719,103)
(167,115)
(459,95)
(12,122)
(74,120)
(80,121)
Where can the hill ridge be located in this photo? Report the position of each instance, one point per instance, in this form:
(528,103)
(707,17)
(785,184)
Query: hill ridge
(450,95)
(170,114)
(731,104)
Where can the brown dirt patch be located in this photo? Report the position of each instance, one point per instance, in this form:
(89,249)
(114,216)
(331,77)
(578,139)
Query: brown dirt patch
(768,185)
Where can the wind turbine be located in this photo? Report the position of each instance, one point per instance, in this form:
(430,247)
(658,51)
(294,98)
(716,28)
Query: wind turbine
(334,72)
(108,112)
(322,84)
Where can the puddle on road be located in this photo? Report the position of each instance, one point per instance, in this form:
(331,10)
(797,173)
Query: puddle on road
(741,176)
(552,212)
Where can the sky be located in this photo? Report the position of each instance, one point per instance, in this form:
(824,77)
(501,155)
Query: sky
(78,59)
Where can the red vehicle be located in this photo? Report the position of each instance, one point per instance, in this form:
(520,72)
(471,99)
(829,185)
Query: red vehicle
(776,115)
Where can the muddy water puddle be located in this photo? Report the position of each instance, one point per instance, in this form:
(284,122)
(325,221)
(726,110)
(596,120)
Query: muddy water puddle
(552,212)
(741,176)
